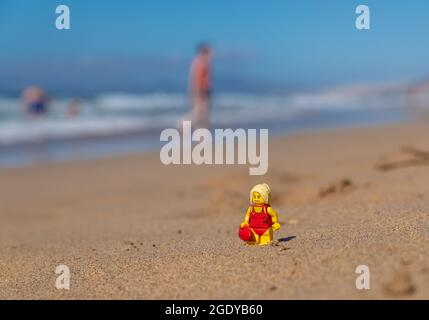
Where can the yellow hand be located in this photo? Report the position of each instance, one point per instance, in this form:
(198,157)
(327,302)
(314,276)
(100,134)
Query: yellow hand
(244,223)
(276,226)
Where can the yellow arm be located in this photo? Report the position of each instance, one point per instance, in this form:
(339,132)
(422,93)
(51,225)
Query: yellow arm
(246,218)
(274,218)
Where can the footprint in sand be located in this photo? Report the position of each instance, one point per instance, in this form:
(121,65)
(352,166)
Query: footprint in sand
(408,156)
(336,187)
(283,177)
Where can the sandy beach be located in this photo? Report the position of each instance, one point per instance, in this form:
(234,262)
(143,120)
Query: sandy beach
(129,227)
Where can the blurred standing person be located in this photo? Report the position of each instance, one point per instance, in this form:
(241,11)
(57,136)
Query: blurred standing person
(35,100)
(74,107)
(200,86)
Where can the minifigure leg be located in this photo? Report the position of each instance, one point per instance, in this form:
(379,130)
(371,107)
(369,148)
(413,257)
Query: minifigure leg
(266,238)
(255,238)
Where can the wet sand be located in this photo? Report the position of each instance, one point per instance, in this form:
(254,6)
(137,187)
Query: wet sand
(132,228)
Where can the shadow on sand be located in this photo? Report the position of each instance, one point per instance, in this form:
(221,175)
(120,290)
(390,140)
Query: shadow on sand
(287,239)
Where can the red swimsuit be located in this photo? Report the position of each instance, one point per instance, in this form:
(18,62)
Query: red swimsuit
(260,222)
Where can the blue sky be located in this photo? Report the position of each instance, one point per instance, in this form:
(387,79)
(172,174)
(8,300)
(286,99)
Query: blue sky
(140,45)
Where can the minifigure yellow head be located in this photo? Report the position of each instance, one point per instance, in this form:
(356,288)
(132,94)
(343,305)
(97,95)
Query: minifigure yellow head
(260,194)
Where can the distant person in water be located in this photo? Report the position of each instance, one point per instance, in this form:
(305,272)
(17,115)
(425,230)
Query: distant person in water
(35,100)
(74,107)
(200,87)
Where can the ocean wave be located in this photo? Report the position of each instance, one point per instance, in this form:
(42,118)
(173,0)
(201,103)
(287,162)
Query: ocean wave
(33,130)
(155,101)
(113,113)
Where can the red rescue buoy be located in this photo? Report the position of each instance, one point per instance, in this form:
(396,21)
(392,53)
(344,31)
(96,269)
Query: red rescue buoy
(245,233)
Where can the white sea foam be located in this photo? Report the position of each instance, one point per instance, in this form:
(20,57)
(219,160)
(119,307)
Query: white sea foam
(114,113)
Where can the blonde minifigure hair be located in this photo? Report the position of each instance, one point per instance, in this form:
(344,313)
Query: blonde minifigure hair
(264,190)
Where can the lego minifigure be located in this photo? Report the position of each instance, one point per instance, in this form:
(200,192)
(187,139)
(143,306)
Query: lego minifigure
(261,219)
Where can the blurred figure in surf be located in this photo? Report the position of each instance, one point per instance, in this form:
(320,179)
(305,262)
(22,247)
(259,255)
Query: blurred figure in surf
(35,101)
(74,107)
(200,87)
